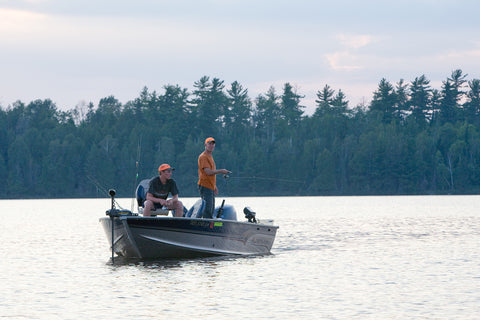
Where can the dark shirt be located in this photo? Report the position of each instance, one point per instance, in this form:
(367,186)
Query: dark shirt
(160,190)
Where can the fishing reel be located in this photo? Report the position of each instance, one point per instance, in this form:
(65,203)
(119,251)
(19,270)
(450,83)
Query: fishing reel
(249,214)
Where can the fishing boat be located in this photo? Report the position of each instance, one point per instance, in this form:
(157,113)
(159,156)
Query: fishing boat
(132,235)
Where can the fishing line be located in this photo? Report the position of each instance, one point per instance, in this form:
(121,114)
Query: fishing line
(104,190)
(265,178)
(227,177)
(256,178)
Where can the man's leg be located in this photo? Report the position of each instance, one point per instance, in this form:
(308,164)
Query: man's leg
(208,195)
(147,209)
(178,207)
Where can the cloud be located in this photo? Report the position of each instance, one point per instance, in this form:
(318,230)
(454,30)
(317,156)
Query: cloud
(356,41)
(459,54)
(343,61)
(349,59)
(85,50)
(14,23)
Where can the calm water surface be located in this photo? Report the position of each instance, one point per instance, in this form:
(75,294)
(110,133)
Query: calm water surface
(333,258)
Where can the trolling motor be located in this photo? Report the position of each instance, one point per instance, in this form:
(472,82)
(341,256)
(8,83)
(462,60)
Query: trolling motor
(113,212)
(249,214)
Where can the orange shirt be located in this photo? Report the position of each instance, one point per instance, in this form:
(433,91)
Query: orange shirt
(206,161)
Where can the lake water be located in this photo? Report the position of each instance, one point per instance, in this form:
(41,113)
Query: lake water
(333,258)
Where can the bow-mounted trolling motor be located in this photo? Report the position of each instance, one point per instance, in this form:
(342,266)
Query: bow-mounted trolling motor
(113,212)
(249,214)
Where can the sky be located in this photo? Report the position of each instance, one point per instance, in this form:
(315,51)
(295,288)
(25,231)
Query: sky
(79,51)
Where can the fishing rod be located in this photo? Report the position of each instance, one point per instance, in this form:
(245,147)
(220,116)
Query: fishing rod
(265,178)
(104,190)
(226,177)
(113,212)
(137,163)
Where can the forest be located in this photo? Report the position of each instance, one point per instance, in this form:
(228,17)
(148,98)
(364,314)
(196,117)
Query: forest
(410,139)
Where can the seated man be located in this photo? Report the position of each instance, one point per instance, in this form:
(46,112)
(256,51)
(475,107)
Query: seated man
(158,191)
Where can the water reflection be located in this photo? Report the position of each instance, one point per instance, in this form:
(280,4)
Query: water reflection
(333,258)
(211,262)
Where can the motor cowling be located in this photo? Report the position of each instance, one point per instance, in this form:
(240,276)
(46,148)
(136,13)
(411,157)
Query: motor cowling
(249,214)
(228,212)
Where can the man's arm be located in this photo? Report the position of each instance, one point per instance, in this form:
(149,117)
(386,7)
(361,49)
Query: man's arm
(172,200)
(211,172)
(154,199)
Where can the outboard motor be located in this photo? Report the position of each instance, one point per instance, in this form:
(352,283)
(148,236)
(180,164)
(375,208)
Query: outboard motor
(226,212)
(249,214)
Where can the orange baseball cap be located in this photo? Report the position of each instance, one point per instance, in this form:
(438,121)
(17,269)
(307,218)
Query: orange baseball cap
(209,139)
(165,166)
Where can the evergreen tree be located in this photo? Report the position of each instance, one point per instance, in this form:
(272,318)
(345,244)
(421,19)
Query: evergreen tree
(451,95)
(209,105)
(340,104)
(290,108)
(472,105)
(402,99)
(420,95)
(324,101)
(173,109)
(267,113)
(413,139)
(384,101)
(239,118)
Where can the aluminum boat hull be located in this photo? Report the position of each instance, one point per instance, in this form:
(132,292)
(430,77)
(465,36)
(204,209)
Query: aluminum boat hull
(171,237)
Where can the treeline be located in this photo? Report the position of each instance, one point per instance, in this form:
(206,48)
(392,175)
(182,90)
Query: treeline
(410,139)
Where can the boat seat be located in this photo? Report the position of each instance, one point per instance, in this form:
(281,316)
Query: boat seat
(141,192)
(141,195)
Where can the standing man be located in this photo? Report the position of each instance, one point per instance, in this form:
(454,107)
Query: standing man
(158,191)
(207,184)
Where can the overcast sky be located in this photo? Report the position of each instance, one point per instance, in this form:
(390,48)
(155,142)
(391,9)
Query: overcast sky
(79,51)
